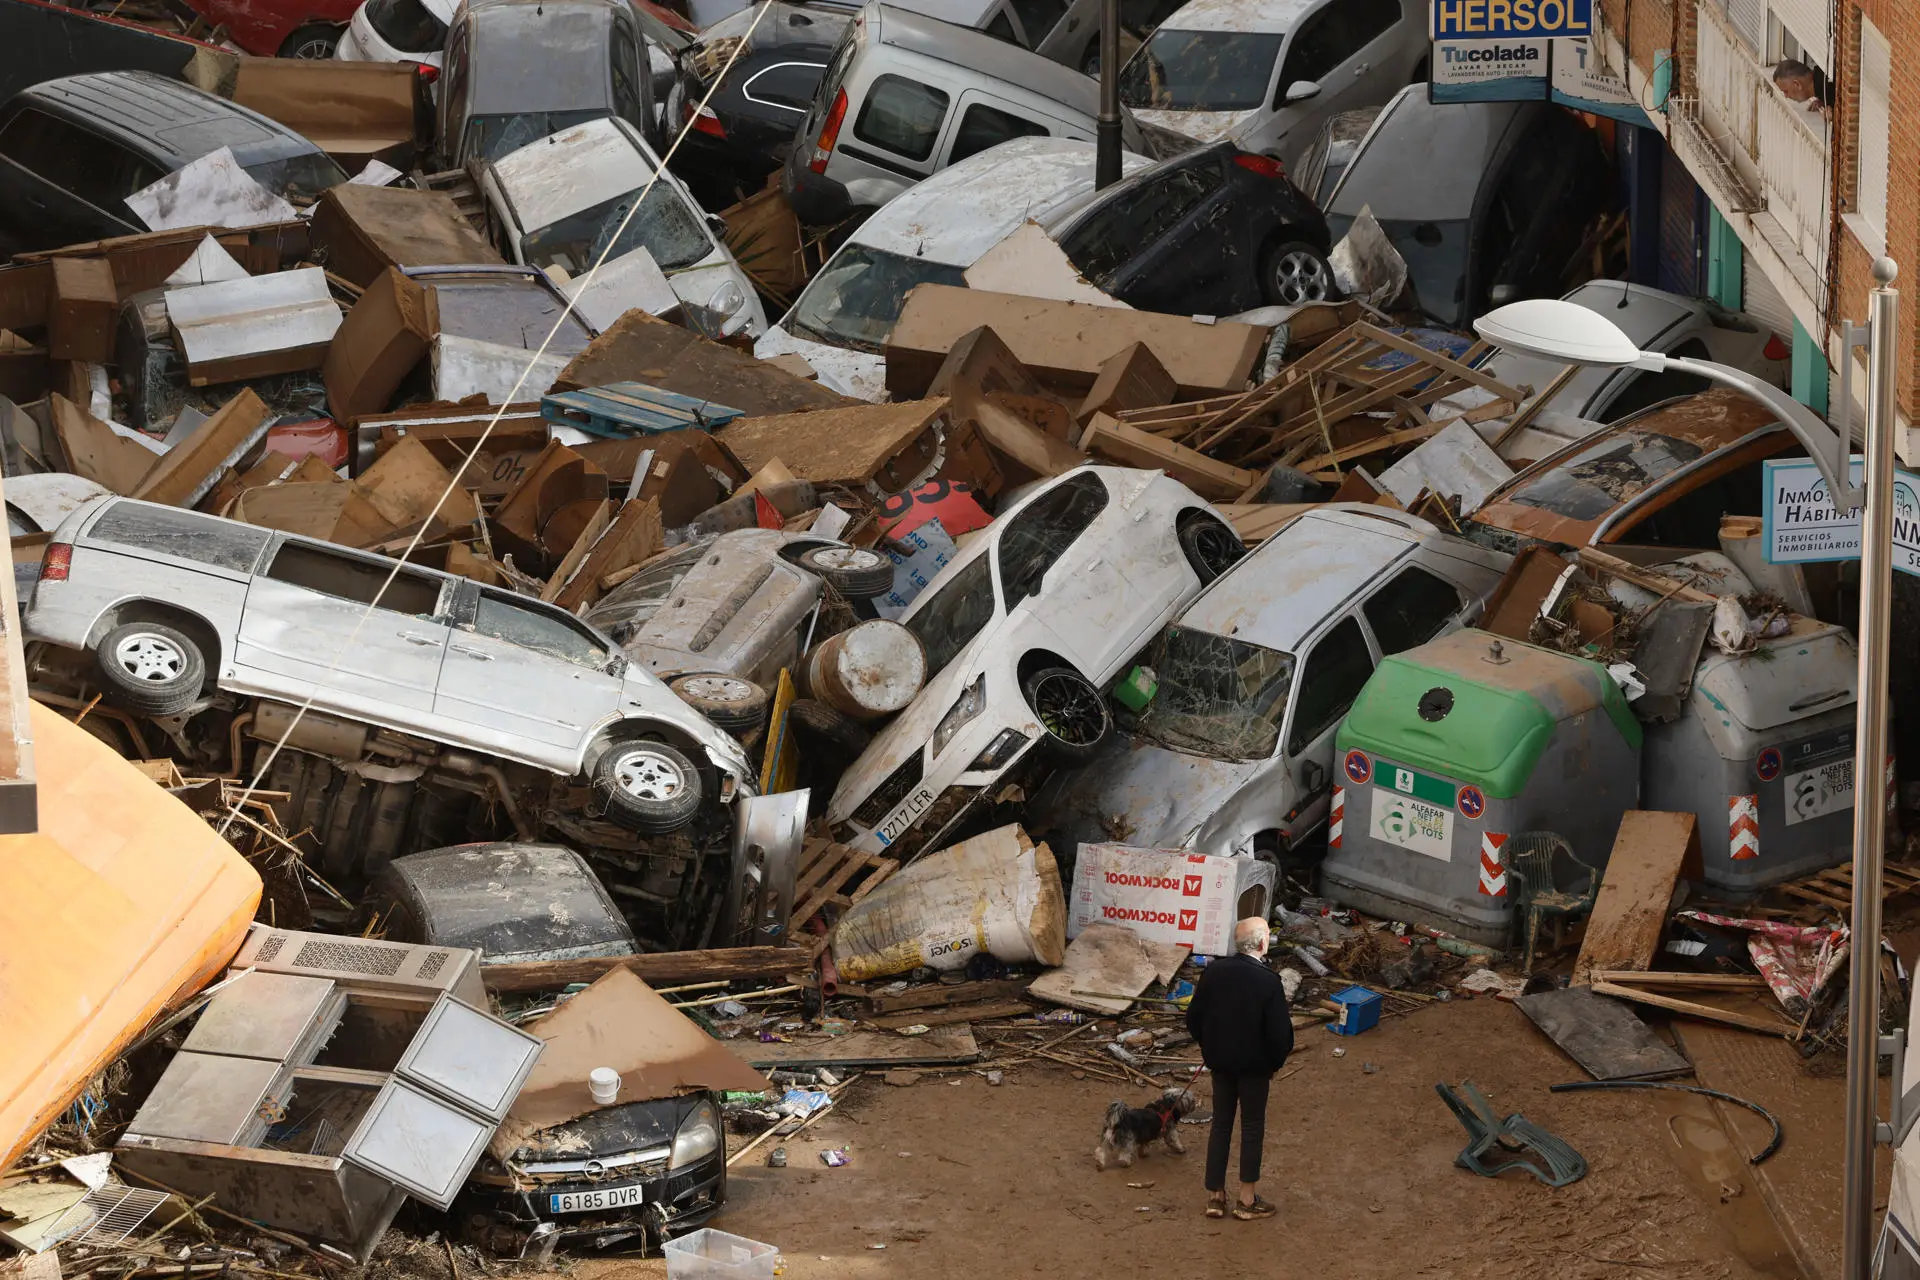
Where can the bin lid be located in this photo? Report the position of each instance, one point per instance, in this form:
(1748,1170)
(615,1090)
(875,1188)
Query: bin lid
(1497,716)
(1810,671)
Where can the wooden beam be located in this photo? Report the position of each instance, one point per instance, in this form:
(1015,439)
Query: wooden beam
(1647,978)
(670,966)
(1744,1021)
(1412,435)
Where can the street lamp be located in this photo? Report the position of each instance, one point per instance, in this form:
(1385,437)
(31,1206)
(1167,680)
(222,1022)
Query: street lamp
(1559,330)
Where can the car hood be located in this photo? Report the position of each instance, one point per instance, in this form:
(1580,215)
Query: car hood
(852,373)
(912,730)
(697,284)
(1138,792)
(1201,126)
(609,1131)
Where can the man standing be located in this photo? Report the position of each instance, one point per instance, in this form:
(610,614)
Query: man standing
(1240,1019)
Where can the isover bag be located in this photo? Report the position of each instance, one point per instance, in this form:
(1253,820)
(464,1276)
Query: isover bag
(997,893)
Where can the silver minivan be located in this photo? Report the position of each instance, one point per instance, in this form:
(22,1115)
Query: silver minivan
(905,95)
(172,602)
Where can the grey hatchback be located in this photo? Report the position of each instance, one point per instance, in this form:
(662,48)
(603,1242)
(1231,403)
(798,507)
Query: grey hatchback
(72,150)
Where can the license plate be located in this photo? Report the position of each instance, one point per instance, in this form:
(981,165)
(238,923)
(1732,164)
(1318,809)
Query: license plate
(1816,792)
(902,818)
(621,1197)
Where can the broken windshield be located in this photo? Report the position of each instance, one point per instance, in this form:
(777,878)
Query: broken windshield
(1200,71)
(1217,696)
(855,299)
(1597,480)
(663,227)
(959,606)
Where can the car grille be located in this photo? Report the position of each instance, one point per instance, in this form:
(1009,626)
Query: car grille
(889,793)
(932,826)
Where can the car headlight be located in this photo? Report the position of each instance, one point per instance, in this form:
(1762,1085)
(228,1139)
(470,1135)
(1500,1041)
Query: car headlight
(1002,749)
(973,700)
(727,299)
(698,1137)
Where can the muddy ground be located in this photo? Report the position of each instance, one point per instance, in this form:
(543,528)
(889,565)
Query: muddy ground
(959,1179)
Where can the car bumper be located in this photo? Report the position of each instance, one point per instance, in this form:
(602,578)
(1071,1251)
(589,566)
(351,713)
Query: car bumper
(930,812)
(517,1221)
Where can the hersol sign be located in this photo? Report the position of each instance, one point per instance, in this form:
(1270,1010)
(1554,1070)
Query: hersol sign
(1510,19)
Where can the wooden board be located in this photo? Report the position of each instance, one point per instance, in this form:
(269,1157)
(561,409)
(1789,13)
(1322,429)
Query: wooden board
(640,348)
(940,1047)
(1636,890)
(1107,437)
(838,446)
(1108,958)
(1602,1035)
(941,995)
(1761,1016)
(659,969)
(825,869)
(977,1011)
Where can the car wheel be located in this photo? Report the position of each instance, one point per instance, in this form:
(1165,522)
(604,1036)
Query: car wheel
(816,718)
(1070,710)
(855,572)
(1210,547)
(154,669)
(650,787)
(315,41)
(736,705)
(1296,272)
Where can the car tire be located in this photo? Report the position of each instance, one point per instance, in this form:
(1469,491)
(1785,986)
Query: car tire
(816,718)
(155,670)
(855,572)
(315,42)
(736,705)
(1074,719)
(650,787)
(1294,272)
(1211,548)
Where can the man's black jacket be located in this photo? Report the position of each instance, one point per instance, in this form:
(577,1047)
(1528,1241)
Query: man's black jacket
(1239,1015)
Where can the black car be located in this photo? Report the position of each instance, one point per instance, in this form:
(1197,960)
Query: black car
(632,1174)
(746,128)
(72,150)
(1488,202)
(1216,231)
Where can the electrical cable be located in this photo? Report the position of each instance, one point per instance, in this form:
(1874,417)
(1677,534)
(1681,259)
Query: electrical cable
(1779,1134)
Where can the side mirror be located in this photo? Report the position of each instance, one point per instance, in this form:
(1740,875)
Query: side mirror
(717,224)
(1314,775)
(1301,90)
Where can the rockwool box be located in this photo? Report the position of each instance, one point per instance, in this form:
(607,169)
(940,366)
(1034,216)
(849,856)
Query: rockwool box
(1168,895)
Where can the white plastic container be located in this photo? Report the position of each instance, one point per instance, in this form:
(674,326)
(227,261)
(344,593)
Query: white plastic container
(604,1084)
(707,1254)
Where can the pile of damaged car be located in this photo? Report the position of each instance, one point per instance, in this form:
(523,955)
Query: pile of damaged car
(674,627)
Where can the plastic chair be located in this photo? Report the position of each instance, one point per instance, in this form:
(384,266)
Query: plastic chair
(1495,1145)
(1540,865)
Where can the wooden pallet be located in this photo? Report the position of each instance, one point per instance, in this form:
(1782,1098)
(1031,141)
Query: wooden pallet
(826,867)
(1834,886)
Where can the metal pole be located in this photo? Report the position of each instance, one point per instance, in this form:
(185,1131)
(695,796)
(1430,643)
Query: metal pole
(1869,781)
(1106,156)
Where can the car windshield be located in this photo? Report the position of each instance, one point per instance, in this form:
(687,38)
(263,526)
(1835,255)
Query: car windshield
(1436,257)
(625,610)
(491,137)
(664,227)
(1217,696)
(1200,71)
(960,606)
(1596,480)
(854,301)
(298,178)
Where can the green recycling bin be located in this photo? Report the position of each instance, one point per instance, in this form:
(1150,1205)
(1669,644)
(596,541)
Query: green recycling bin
(1453,747)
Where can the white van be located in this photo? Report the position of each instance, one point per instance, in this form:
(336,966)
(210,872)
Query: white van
(905,95)
(931,234)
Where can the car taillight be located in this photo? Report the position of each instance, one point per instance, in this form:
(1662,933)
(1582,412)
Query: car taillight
(427,72)
(705,120)
(56,563)
(1265,166)
(829,132)
(1776,349)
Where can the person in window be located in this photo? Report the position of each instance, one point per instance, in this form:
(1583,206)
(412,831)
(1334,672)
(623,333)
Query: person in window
(1802,84)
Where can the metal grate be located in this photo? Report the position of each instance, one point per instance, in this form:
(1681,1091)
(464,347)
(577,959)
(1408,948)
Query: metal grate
(432,965)
(270,948)
(118,1210)
(351,957)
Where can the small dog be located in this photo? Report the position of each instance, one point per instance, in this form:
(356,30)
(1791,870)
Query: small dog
(1129,1130)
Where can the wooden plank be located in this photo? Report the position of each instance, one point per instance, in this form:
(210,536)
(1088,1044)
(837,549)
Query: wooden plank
(1772,1027)
(1634,977)
(1108,437)
(882,868)
(982,1011)
(936,995)
(1317,467)
(670,966)
(825,891)
(1636,890)
(1647,579)
(1407,346)
(941,1047)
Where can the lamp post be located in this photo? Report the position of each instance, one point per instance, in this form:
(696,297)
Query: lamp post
(1106,138)
(1560,330)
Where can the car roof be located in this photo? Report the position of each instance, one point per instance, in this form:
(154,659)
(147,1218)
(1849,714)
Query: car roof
(163,117)
(958,214)
(1398,170)
(574,169)
(1283,589)
(1652,319)
(1240,15)
(533,54)
(982,54)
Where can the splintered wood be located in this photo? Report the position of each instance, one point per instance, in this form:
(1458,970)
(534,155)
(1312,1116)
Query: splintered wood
(1363,392)
(824,878)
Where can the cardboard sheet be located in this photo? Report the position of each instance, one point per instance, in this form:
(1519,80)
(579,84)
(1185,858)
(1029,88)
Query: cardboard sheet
(1110,959)
(1029,262)
(213,191)
(620,1022)
(253,326)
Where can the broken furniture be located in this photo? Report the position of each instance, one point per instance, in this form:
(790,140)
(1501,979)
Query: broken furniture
(1539,863)
(328,1081)
(1495,1145)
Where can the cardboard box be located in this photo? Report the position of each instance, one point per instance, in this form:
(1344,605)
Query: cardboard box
(95,450)
(1131,378)
(541,517)
(641,348)
(892,446)
(683,472)
(1065,343)
(364,230)
(254,326)
(189,469)
(1168,895)
(353,111)
(387,333)
(81,314)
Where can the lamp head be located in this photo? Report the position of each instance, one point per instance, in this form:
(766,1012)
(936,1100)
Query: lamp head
(1558,330)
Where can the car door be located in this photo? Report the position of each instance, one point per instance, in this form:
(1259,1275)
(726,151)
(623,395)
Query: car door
(1059,579)
(1185,253)
(894,134)
(326,623)
(1337,665)
(1342,47)
(526,677)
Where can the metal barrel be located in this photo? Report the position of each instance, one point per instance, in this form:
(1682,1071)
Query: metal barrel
(868,671)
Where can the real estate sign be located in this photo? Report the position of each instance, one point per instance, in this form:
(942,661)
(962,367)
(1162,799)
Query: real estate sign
(1802,526)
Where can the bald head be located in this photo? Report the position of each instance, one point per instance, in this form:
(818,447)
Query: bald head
(1250,936)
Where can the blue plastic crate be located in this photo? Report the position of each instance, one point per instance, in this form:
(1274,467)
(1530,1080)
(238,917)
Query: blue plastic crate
(1359,1011)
